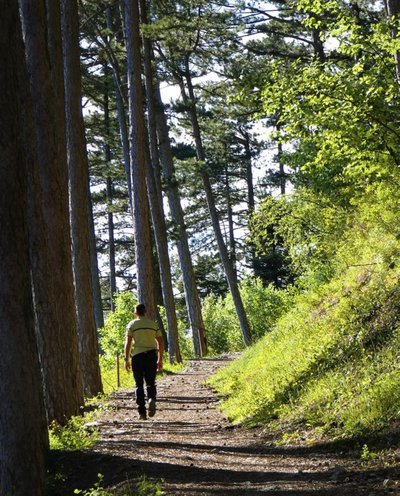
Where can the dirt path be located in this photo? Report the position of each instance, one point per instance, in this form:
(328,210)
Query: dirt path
(196,452)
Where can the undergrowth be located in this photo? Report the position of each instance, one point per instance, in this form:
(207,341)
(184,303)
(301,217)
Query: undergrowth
(143,486)
(331,362)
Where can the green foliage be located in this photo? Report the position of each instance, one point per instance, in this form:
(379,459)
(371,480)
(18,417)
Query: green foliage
(109,374)
(306,225)
(77,434)
(96,490)
(263,305)
(185,343)
(147,487)
(140,487)
(332,361)
(340,114)
(112,335)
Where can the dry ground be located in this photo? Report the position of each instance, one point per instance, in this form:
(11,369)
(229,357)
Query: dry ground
(196,452)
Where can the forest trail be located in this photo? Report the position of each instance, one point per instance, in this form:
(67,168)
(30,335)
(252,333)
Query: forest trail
(196,452)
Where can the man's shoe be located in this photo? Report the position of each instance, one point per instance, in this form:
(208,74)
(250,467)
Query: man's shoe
(152,407)
(143,416)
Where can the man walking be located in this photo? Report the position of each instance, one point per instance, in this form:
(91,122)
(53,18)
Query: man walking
(144,349)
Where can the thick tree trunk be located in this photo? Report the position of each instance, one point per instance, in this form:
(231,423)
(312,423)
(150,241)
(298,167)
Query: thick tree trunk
(78,169)
(189,100)
(192,298)
(52,278)
(137,147)
(157,210)
(23,430)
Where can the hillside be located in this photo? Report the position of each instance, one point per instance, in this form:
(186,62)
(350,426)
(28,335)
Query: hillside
(331,364)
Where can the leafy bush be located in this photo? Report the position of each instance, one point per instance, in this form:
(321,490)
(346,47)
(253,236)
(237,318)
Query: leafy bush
(332,361)
(263,305)
(112,335)
(77,434)
(143,486)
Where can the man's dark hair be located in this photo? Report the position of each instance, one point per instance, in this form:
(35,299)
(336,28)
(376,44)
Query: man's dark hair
(140,309)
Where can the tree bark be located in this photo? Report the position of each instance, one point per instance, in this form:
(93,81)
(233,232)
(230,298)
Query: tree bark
(137,148)
(109,193)
(120,99)
(192,298)
(189,101)
(23,430)
(157,210)
(52,278)
(78,175)
(94,269)
(111,243)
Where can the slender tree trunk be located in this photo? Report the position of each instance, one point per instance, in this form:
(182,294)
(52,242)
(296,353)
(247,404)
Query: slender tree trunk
(137,147)
(110,190)
(282,175)
(249,172)
(94,269)
(120,99)
(189,101)
(54,290)
(157,210)
(23,430)
(232,241)
(78,169)
(111,243)
(192,298)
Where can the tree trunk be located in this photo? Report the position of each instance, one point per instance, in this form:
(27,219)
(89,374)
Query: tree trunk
(192,299)
(23,430)
(111,243)
(282,175)
(52,278)
(157,210)
(232,241)
(245,140)
(137,148)
(109,193)
(120,99)
(94,269)
(78,169)
(189,101)
(249,172)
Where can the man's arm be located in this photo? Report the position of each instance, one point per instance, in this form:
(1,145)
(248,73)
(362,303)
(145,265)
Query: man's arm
(160,342)
(127,351)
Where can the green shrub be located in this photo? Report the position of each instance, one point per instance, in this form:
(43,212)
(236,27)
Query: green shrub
(332,361)
(112,335)
(143,486)
(77,434)
(263,306)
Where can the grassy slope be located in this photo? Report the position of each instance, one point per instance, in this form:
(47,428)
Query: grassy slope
(332,361)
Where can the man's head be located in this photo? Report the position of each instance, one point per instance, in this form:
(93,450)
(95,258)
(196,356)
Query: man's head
(140,310)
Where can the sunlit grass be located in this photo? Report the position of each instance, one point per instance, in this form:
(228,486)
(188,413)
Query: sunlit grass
(333,362)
